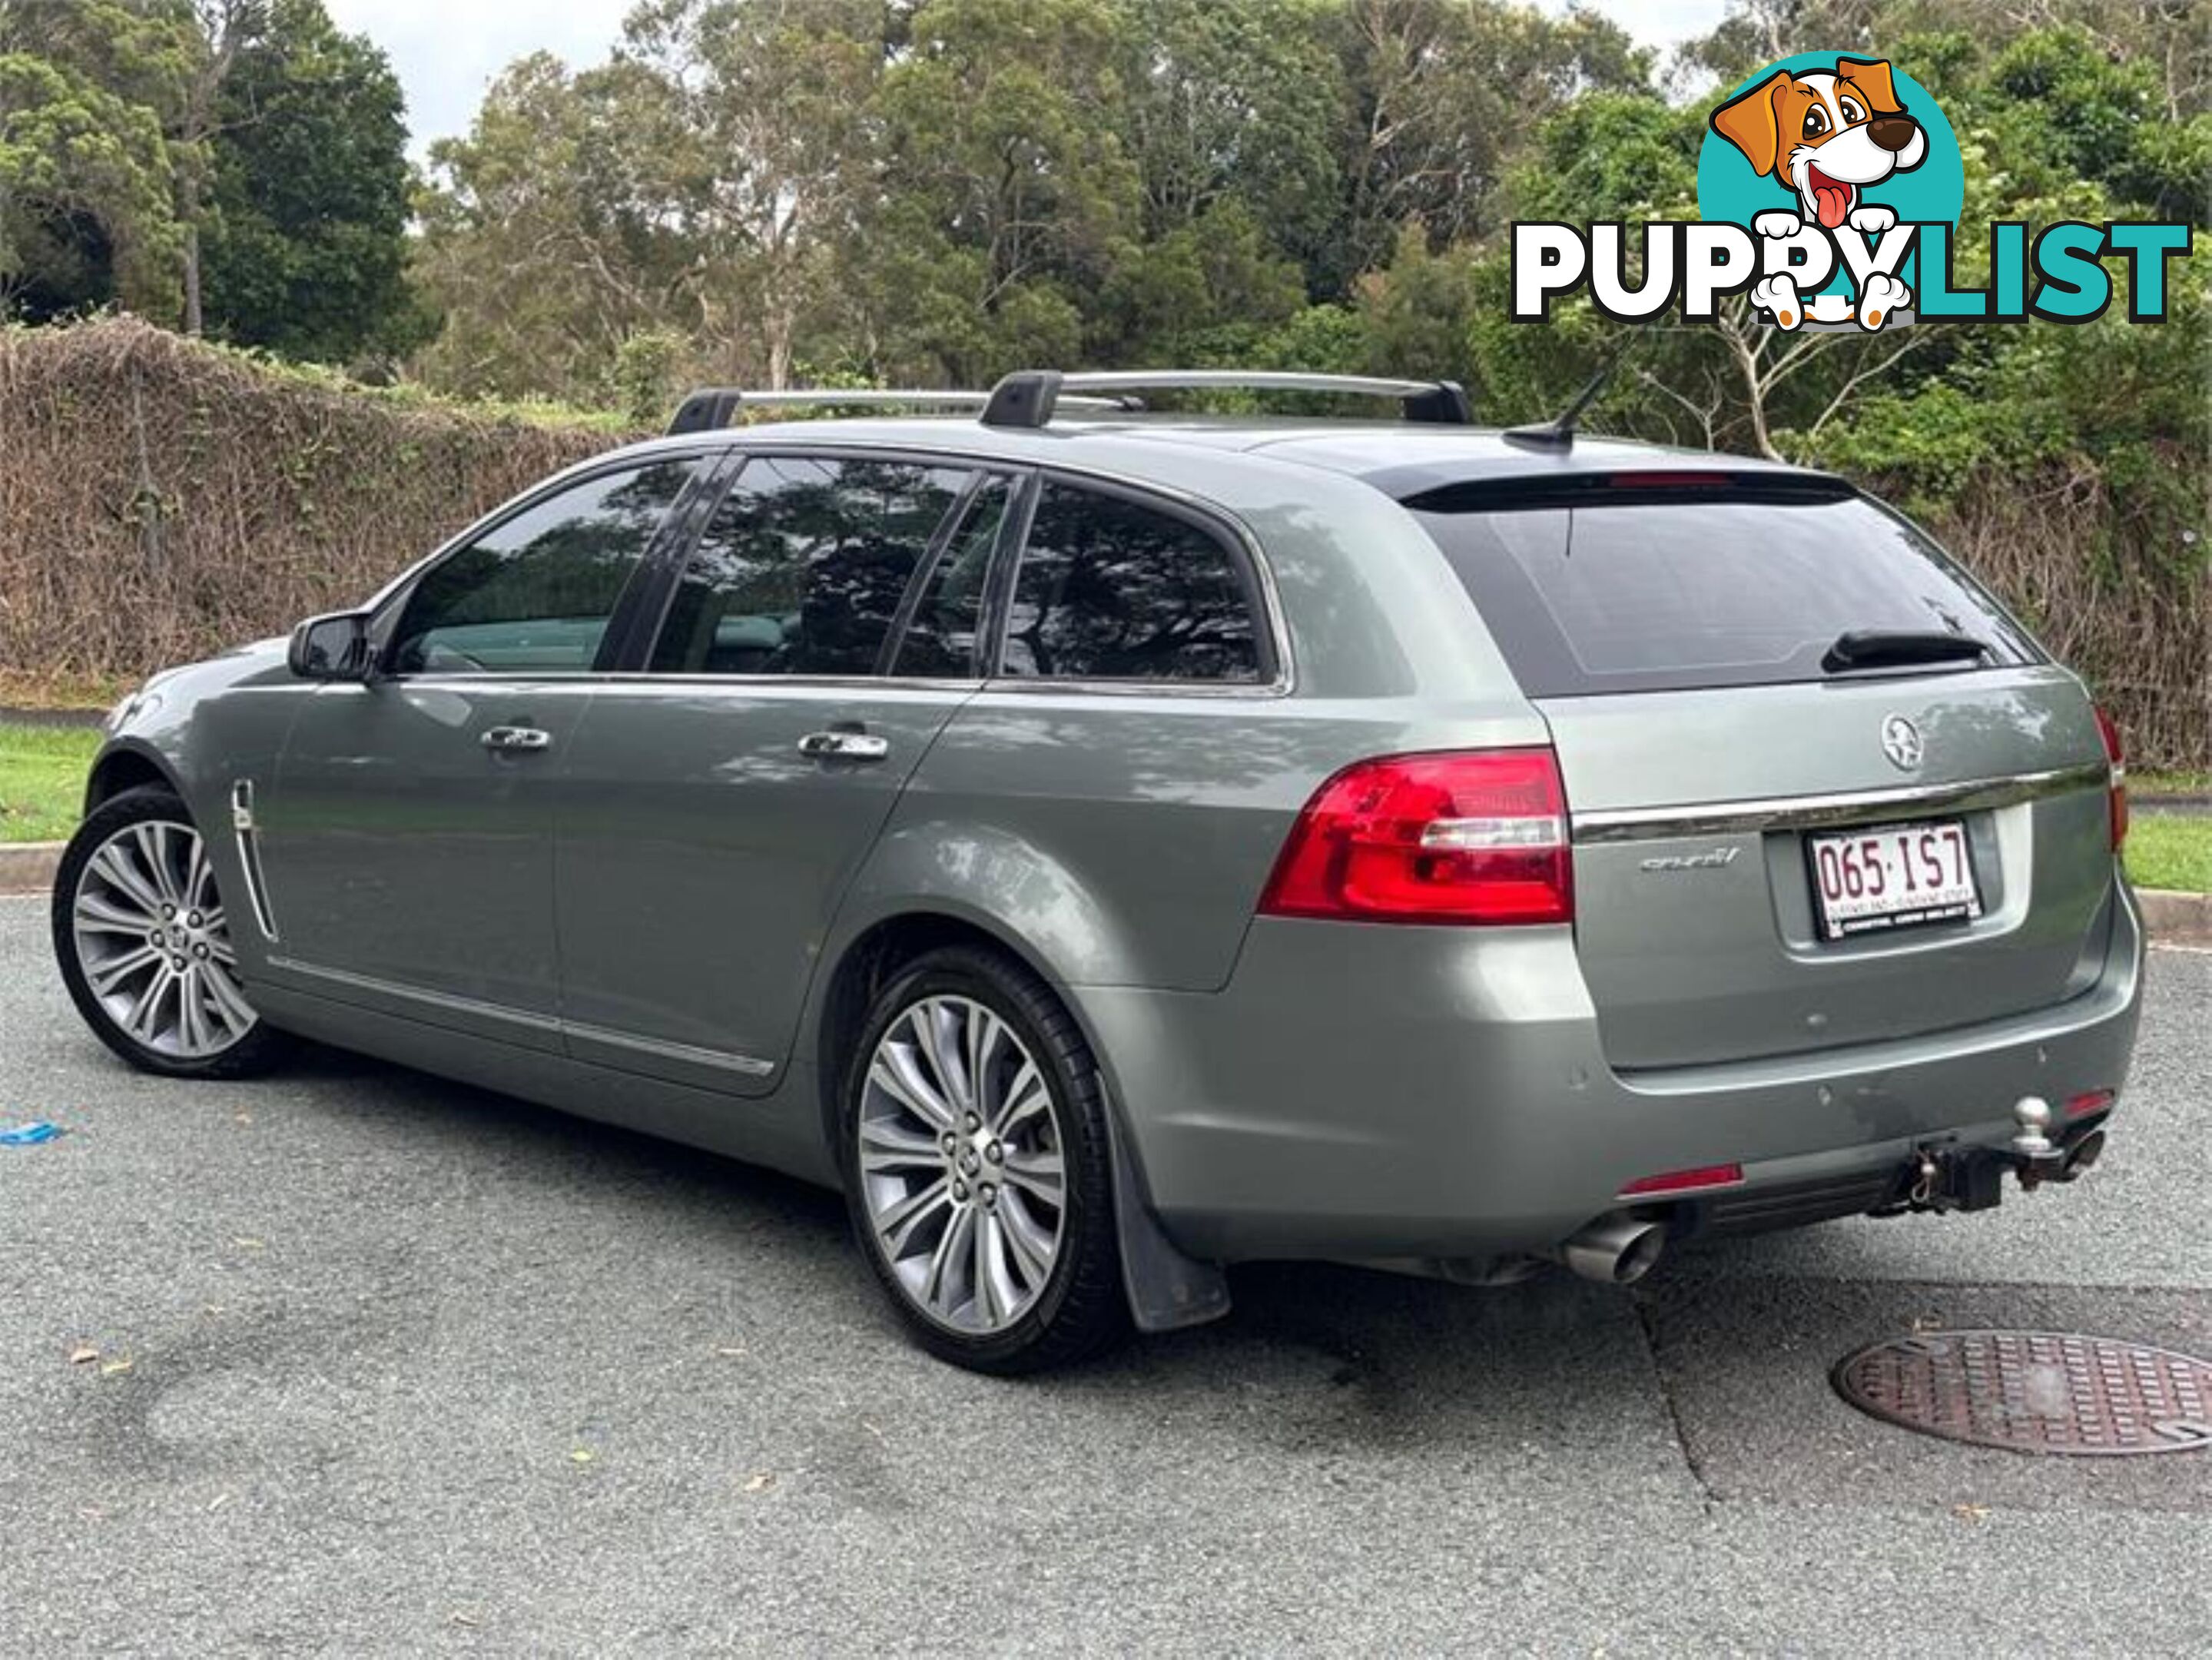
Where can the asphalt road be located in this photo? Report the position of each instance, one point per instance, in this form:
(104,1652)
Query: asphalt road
(413,1369)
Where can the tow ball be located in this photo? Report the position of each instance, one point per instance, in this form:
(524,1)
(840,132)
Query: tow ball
(2036,1158)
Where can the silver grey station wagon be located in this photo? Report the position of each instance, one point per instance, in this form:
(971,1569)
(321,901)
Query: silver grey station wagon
(1112,844)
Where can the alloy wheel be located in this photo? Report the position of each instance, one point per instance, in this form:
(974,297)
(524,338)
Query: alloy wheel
(151,938)
(961,1164)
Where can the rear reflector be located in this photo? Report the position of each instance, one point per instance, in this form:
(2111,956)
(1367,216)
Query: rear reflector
(2117,757)
(1683,1181)
(1468,836)
(2088,1103)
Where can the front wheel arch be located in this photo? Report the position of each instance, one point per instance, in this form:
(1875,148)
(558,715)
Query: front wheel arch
(121,768)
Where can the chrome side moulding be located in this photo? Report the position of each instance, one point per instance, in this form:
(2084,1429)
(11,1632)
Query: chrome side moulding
(1797,812)
(744,1065)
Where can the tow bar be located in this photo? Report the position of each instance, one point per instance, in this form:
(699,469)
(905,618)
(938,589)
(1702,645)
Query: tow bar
(1952,1179)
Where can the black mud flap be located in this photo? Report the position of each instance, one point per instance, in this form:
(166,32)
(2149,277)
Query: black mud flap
(1168,1290)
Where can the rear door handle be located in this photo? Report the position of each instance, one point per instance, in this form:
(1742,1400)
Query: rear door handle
(509,739)
(844,746)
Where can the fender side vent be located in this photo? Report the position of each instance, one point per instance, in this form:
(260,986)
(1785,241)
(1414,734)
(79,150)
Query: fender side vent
(249,856)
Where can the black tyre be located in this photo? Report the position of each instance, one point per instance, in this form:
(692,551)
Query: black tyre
(973,1136)
(143,943)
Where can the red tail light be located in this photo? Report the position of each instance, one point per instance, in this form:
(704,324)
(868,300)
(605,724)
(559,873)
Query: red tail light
(2118,757)
(1464,836)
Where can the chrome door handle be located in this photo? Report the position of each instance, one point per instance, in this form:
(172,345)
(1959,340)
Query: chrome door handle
(509,738)
(844,746)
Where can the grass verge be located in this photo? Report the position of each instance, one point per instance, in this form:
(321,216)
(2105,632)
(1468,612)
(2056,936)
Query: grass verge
(42,780)
(2171,850)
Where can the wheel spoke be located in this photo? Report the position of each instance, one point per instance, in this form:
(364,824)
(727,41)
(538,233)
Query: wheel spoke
(897,1226)
(984,1032)
(941,1026)
(140,1022)
(1028,1243)
(152,839)
(226,999)
(114,867)
(198,876)
(1038,1172)
(885,1147)
(191,1011)
(997,1288)
(951,1245)
(106,975)
(897,1072)
(96,914)
(1026,1096)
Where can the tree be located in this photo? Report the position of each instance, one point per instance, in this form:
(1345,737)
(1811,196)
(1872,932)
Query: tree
(85,171)
(305,247)
(273,143)
(1010,190)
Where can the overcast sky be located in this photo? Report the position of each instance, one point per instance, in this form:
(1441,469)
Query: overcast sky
(447,52)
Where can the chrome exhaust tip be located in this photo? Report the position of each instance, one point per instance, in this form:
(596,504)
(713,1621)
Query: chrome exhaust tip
(1615,1251)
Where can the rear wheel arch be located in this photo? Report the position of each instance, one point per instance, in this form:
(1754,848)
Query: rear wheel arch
(1166,1289)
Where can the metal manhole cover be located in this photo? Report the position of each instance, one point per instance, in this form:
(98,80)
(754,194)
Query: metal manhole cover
(2034,1391)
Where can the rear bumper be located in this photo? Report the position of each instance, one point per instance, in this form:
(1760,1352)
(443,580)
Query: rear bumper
(1377,1092)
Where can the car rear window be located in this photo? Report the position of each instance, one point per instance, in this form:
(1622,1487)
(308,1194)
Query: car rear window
(1668,590)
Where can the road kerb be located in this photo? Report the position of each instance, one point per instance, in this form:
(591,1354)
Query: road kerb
(2176,919)
(29,866)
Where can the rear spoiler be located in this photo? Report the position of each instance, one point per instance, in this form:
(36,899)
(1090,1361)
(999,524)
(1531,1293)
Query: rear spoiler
(1629,486)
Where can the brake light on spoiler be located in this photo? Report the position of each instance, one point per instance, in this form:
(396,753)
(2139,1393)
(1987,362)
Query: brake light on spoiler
(1474,837)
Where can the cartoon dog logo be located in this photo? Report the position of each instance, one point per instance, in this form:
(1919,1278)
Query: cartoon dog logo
(1825,137)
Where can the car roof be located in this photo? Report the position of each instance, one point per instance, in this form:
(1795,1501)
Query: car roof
(1400,458)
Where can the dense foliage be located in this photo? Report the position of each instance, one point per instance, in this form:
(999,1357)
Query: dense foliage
(235,166)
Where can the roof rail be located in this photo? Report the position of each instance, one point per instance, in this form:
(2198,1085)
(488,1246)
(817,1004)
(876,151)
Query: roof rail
(712,407)
(1027,397)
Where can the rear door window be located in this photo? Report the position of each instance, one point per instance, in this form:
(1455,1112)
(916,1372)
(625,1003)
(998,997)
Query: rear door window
(1110,588)
(1658,594)
(803,567)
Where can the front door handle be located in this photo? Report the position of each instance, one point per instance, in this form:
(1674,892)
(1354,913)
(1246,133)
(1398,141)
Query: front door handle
(510,739)
(844,746)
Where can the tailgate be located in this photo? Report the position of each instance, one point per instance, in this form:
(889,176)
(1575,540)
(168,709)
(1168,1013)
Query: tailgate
(1699,916)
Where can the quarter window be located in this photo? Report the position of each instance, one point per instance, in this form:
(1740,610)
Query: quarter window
(940,641)
(1110,589)
(803,567)
(534,593)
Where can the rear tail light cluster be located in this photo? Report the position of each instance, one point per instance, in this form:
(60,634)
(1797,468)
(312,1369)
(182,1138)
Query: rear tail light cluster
(2118,757)
(1471,836)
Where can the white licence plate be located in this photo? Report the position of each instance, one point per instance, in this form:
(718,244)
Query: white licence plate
(1892,876)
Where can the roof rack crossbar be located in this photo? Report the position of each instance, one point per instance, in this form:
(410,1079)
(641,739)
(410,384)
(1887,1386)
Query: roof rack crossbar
(712,407)
(1026,397)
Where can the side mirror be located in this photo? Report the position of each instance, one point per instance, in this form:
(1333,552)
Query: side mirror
(330,647)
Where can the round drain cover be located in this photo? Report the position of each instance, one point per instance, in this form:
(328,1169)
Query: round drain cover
(2034,1391)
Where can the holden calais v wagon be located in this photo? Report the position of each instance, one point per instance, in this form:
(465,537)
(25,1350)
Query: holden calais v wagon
(1111,845)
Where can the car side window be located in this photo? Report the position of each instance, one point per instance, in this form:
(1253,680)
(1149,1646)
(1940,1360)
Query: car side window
(1112,589)
(803,566)
(940,641)
(535,593)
